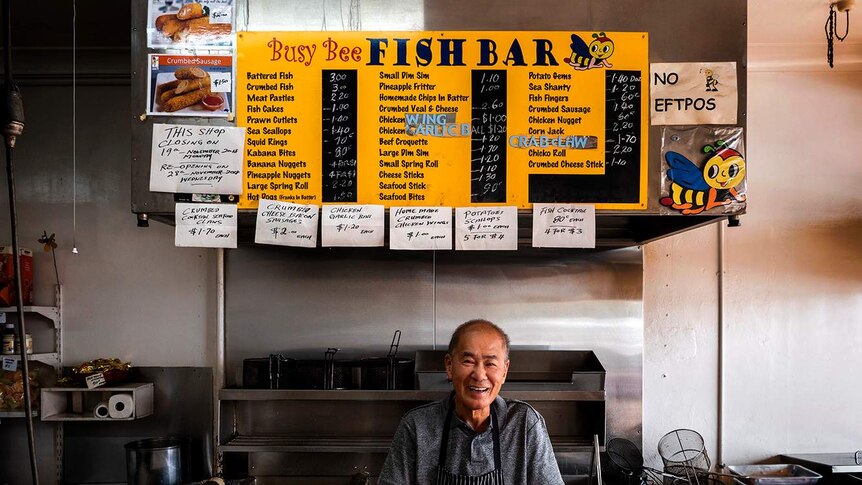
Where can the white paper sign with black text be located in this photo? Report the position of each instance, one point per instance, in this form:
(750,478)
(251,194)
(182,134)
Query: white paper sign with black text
(420,228)
(286,224)
(564,226)
(206,225)
(486,228)
(352,225)
(693,93)
(196,159)
(95,380)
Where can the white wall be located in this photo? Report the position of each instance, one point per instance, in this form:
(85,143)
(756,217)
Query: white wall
(795,271)
(793,287)
(129,293)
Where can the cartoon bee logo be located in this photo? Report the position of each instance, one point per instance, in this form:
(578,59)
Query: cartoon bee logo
(590,56)
(695,190)
(711,80)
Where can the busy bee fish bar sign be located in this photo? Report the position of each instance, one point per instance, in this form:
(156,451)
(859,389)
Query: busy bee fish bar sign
(444,118)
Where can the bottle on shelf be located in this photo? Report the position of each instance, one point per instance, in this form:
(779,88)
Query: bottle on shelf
(9,337)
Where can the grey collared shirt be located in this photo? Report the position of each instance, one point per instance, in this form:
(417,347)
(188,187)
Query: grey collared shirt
(526,453)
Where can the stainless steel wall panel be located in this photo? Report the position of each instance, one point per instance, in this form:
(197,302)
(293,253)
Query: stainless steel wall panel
(299,302)
(321,419)
(314,465)
(557,300)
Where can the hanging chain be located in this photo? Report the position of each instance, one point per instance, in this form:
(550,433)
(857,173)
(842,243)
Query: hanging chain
(830,32)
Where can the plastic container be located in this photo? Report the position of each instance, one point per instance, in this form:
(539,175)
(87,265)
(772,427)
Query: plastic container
(8,338)
(8,293)
(158,461)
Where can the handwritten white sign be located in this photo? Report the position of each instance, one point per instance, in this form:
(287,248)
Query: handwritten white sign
(420,228)
(10,364)
(95,380)
(206,225)
(693,93)
(486,228)
(220,14)
(196,159)
(220,82)
(286,224)
(352,225)
(564,226)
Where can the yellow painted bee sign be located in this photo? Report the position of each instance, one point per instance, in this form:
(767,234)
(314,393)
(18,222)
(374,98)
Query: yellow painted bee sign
(444,118)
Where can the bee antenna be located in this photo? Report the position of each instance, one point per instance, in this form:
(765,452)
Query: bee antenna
(708,149)
(721,143)
(595,35)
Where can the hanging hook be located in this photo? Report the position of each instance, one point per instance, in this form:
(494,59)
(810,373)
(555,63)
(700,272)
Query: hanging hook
(843,6)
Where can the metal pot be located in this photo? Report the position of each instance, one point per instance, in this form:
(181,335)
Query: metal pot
(158,461)
(323,374)
(387,373)
(273,372)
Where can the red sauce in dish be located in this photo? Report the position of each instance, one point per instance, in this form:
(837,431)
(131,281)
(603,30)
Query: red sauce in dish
(212,100)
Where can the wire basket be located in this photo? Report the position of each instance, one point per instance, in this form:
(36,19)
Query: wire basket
(626,462)
(625,455)
(684,454)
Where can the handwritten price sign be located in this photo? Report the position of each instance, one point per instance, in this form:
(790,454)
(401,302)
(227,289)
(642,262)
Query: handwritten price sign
(420,228)
(352,225)
(486,228)
(220,82)
(220,14)
(564,226)
(206,225)
(286,224)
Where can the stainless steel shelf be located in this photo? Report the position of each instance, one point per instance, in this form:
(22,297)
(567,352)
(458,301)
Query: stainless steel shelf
(415,395)
(341,444)
(349,444)
(571,445)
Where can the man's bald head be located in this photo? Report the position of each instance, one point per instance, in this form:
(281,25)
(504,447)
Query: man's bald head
(477,325)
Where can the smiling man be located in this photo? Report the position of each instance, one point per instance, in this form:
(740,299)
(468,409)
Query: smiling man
(474,436)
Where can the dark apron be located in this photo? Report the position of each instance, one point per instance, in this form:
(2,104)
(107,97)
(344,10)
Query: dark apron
(494,477)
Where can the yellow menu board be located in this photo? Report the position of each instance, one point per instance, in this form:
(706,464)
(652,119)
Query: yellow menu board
(444,118)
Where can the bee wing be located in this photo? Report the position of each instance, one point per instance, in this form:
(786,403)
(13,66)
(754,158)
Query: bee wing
(580,47)
(684,172)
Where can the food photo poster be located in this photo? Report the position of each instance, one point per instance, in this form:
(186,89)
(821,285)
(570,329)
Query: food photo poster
(183,23)
(182,85)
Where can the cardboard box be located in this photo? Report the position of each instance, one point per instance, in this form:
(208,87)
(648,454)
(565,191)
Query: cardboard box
(7,276)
